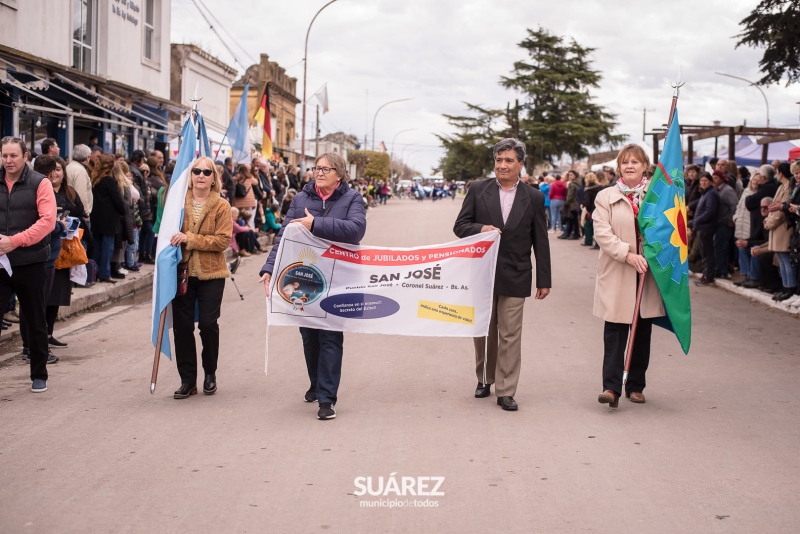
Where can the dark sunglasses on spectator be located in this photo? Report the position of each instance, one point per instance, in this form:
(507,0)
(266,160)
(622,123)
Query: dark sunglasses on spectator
(764,207)
(206,172)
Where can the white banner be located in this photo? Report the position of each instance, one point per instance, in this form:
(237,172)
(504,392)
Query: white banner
(437,290)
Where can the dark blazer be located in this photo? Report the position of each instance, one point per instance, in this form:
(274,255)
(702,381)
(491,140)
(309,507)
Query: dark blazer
(525,229)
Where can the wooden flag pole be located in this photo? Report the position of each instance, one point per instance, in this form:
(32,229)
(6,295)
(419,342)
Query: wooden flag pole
(157,357)
(640,250)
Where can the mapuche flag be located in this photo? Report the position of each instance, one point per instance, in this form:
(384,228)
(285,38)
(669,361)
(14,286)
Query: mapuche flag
(263,116)
(662,221)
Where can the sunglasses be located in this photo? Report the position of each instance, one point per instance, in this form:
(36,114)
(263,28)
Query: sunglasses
(204,172)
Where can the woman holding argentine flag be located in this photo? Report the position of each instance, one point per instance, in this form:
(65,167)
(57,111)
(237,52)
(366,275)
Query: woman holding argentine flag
(619,266)
(203,238)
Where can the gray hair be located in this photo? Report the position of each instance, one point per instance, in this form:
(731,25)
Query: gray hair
(336,161)
(80,153)
(768,171)
(510,143)
(766,201)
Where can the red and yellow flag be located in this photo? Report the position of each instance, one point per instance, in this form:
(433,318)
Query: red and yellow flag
(263,116)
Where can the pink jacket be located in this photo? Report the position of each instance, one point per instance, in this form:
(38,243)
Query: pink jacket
(237,229)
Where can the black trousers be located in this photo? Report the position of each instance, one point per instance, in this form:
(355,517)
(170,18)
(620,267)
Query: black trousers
(205,296)
(28,282)
(50,273)
(615,341)
(706,237)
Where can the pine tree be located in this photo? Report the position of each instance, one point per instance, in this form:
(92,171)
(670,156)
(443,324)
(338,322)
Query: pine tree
(469,151)
(775,26)
(559,115)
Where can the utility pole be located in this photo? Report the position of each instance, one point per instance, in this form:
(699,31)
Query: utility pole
(316,150)
(644,120)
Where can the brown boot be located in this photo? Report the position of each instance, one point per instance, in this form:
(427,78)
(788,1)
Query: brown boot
(609,397)
(636,396)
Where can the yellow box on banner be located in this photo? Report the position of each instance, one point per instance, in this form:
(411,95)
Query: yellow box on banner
(449,313)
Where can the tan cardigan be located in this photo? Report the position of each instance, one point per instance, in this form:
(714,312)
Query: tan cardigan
(208,238)
(779,232)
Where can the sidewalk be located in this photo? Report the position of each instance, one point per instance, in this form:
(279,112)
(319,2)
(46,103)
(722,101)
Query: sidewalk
(752,294)
(85,299)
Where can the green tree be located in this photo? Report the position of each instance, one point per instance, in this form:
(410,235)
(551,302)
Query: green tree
(370,164)
(775,26)
(559,115)
(469,151)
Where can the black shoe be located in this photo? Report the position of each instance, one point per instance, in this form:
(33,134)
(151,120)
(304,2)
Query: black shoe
(210,384)
(118,275)
(783,295)
(311,394)
(562,236)
(147,259)
(507,403)
(750,284)
(740,283)
(326,411)
(26,355)
(185,390)
(595,247)
(51,358)
(704,282)
(132,268)
(107,280)
(53,342)
(483,390)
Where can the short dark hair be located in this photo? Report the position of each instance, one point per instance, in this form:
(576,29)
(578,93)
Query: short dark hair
(137,156)
(744,172)
(97,148)
(47,144)
(44,164)
(509,143)
(713,161)
(228,160)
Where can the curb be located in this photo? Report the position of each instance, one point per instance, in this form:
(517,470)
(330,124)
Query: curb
(753,294)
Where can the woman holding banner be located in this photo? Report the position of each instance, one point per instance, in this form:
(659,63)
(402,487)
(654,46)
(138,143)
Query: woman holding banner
(204,236)
(619,266)
(330,210)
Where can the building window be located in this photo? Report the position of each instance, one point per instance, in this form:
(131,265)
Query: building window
(150,48)
(84,34)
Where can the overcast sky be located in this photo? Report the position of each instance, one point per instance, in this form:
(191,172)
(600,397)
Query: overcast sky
(444,52)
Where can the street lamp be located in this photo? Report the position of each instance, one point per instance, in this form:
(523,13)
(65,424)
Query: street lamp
(376,116)
(391,157)
(305,77)
(752,84)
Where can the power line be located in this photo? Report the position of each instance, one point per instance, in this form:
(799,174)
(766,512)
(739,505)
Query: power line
(211,13)
(213,29)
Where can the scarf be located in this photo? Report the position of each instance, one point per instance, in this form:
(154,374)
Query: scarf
(633,195)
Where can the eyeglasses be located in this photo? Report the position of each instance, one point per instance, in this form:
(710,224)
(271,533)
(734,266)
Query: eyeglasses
(321,170)
(764,208)
(205,172)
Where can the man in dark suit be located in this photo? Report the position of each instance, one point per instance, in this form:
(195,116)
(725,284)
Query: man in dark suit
(516,210)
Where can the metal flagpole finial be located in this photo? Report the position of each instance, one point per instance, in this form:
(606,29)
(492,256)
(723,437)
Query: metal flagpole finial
(678,82)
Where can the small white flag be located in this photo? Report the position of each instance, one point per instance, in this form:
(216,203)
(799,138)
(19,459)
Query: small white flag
(322,96)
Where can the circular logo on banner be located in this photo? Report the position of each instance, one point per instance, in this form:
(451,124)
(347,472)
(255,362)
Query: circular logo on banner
(301,284)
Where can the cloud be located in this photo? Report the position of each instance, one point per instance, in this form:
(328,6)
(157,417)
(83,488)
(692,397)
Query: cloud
(442,53)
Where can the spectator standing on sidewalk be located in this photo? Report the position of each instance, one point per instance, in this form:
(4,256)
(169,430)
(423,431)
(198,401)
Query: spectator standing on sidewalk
(704,224)
(108,210)
(25,244)
(780,234)
(78,176)
(558,192)
(724,232)
(742,230)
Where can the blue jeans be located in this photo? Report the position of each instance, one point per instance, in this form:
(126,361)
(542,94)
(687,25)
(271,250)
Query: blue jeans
(555,213)
(130,250)
(323,350)
(755,269)
(103,250)
(788,271)
(146,237)
(744,262)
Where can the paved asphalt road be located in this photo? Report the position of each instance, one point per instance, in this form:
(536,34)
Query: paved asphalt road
(715,449)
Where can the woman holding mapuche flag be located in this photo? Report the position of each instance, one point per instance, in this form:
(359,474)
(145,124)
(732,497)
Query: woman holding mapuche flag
(330,210)
(619,265)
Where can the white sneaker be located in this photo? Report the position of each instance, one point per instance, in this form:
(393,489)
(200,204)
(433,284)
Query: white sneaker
(794,301)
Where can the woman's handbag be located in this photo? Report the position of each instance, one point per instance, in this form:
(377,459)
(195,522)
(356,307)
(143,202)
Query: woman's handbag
(240,191)
(72,252)
(183,278)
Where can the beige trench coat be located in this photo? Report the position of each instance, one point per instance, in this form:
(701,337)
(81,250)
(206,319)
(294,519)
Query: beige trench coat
(615,289)
(779,232)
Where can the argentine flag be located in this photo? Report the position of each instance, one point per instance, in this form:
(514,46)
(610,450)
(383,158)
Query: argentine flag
(165,277)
